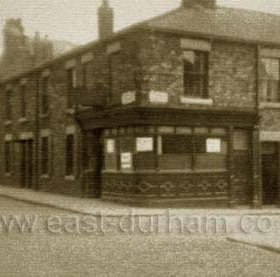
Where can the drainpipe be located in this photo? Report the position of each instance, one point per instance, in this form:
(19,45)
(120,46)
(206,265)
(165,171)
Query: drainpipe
(37,129)
(256,153)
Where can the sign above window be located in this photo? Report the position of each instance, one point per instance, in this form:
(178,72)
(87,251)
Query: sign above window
(144,144)
(195,44)
(110,146)
(158,97)
(213,145)
(128,97)
(126,160)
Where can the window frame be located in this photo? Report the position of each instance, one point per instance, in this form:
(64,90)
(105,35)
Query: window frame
(196,76)
(45,156)
(265,94)
(71,86)
(70,159)
(8,111)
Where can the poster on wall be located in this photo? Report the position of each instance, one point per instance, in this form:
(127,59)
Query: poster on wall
(110,145)
(213,145)
(144,144)
(126,160)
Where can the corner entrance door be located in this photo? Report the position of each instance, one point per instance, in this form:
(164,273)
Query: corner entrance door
(26,163)
(270,176)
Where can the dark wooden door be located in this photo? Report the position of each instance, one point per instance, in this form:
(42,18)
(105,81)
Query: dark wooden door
(97,159)
(23,163)
(270,174)
(29,163)
(26,163)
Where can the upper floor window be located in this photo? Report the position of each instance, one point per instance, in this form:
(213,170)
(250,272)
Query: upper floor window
(71,85)
(8,156)
(196,74)
(270,75)
(114,75)
(23,100)
(8,105)
(69,155)
(45,96)
(85,74)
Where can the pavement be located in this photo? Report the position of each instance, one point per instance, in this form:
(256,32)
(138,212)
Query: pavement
(254,227)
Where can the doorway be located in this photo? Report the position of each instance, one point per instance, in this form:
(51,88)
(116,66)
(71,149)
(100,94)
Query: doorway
(270,177)
(26,163)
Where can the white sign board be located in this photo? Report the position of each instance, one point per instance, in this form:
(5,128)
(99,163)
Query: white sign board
(144,144)
(126,160)
(110,146)
(213,145)
(128,97)
(158,97)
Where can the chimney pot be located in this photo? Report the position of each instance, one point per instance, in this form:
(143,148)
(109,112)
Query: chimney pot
(105,20)
(208,4)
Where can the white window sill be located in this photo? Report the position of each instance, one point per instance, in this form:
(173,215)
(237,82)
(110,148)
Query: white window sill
(70,111)
(45,176)
(8,122)
(273,105)
(23,119)
(196,101)
(69,178)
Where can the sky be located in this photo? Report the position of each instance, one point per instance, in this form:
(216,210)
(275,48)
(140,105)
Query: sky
(76,20)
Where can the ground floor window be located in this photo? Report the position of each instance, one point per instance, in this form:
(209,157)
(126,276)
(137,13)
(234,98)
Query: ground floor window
(69,155)
(8,156)
(45,156)
(166,148)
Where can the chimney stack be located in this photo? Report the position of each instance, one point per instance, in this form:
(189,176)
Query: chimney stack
(105,20)
(208,4)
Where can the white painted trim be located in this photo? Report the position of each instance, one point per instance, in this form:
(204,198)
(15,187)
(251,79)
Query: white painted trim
(88,57)
(70,64)
(8,122)
(196,101)
(113,47)
(22,119)
(26,135)
(196,44)
(272,105)
(45,176)
(270,53)
(70,130)
(45,133)
(46,73)
(8,137)
(269,136)
(69,178)
(9,87)
(23,82)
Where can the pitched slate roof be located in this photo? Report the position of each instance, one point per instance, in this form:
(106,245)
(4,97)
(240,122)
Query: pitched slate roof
(227,23)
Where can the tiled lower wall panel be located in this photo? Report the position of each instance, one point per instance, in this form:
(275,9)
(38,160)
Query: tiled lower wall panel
(169,186)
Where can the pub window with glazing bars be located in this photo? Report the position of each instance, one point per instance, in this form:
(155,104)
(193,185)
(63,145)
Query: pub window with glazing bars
(270,75)
(8,105)
(23,100)
(8,156)
(71,85)
(196,74)
(45,96)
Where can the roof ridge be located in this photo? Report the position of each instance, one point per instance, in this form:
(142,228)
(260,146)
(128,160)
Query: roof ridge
(249,11)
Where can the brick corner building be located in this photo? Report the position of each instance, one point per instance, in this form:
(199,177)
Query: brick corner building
(183,108)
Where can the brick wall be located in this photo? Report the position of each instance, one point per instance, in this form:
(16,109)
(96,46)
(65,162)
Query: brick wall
(232,70)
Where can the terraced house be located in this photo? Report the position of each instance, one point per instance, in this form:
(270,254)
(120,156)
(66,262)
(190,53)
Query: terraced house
(182,108)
